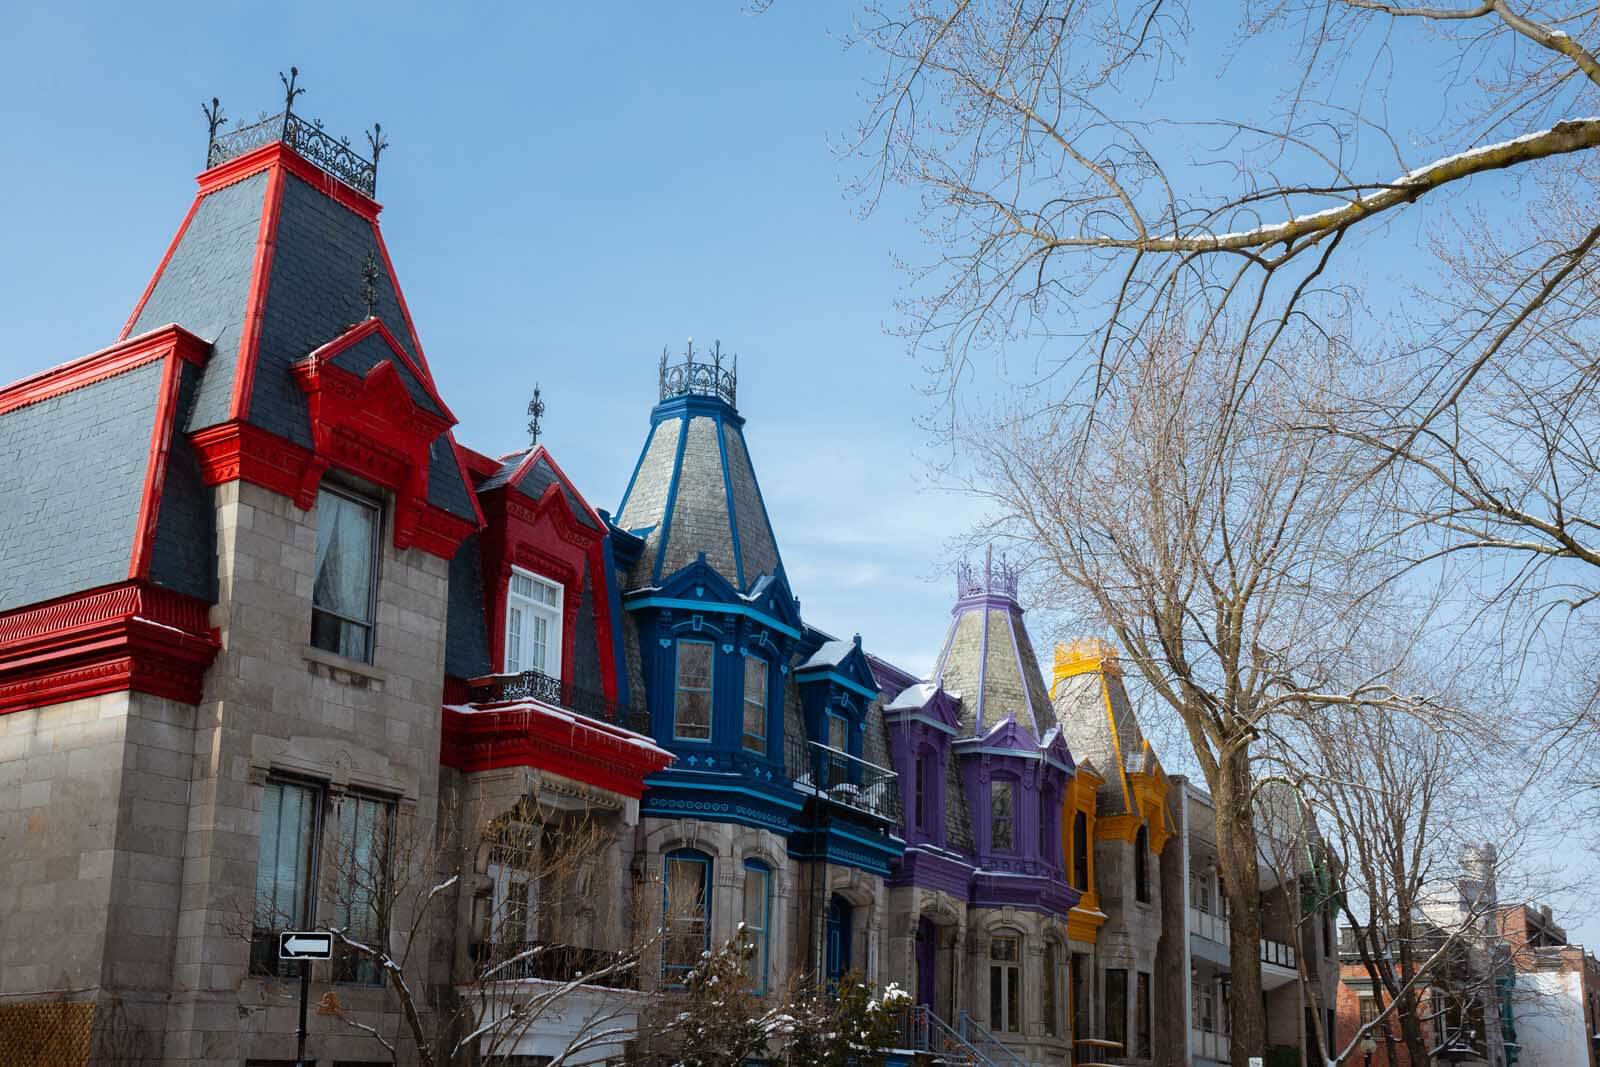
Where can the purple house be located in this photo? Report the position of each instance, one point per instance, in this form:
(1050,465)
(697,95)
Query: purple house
(981,896)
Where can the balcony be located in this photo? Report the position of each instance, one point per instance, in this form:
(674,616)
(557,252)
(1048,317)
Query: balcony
(1209,937)
(843,780)
(1209,1045)
(549,961)
(559,693)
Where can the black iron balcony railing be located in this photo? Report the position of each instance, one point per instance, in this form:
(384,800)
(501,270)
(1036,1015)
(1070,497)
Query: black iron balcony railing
(549,961)
(842,779)
(563,694)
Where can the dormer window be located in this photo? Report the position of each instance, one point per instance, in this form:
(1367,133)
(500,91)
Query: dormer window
(838,733)
(755,704)
(533,624)
(691,710)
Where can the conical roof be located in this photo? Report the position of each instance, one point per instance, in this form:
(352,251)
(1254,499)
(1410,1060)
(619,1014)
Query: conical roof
(694,489)
(988,658)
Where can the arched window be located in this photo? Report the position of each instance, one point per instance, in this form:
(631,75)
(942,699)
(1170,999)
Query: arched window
(1005,983)
(686,910)
(1141,865)
(758,919)
(1080,851)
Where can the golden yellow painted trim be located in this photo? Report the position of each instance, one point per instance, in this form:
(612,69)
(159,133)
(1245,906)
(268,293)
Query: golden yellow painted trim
(1116,743)
(1084,922)
(1117,828)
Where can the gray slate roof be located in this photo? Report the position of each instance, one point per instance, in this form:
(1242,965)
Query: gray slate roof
(466,633)
(988,660)
(184,554)
(315,292)
(72,472)
(697,465)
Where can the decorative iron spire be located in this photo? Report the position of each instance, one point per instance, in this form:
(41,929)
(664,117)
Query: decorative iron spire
(535,413)
(997,578)
(369,291)
(697,376)
(336,156)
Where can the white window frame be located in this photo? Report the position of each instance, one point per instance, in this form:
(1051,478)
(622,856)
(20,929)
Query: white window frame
(513,659)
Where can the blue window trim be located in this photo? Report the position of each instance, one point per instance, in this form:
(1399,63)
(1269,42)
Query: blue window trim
(711,726)
(763,962)
(671,971)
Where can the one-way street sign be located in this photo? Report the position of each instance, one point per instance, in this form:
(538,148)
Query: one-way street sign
(305,945)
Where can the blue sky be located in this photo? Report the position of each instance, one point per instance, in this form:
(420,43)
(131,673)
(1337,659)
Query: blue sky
(564,194)
(562,197)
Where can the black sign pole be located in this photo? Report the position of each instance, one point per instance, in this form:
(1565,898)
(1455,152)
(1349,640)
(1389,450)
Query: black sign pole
(305,990)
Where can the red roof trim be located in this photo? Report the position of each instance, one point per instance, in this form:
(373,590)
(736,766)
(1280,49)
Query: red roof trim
(400,297)
(365,329)
(479,464)
(161,268)
(255,306)
(155,471)
(106,363)
(129,636)
(279,154)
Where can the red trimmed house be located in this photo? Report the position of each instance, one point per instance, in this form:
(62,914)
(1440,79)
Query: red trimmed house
(254,596)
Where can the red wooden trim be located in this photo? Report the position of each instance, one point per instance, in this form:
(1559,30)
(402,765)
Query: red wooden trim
(279,154)
(542,451)
(106,363)
(365,329)
(255,306)
(528,735)
(155,471)
(131,636)
(400,297)
(477,463)
(161,269)
(233,451)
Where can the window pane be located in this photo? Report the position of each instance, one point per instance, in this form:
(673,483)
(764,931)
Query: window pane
(521,585)
(757,895)
(359,881)
(838,733)
(1142,1014)
(1048,1006)
(1013,1012)
(692,713)
(1002,816)
(687,908)
(755,704)
(283,868)
(921,791)
(1080,851)
(343,566)
(1117,1006)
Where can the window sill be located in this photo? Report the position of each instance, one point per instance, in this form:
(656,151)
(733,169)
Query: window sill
(339,669)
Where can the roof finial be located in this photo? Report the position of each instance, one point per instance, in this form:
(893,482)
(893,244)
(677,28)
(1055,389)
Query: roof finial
(377,142)
(214,121)
(289,93)
(535,412)
(369,291)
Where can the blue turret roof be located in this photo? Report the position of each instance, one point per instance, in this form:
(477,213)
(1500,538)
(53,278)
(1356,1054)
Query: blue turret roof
(694,490)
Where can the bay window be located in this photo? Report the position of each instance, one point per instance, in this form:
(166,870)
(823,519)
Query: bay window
(286,857)
(358,883)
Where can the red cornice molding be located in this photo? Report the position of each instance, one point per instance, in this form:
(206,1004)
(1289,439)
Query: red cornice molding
(238,451)
(526,735)
(360,332)
(281,155)
(170,339)
(131,636)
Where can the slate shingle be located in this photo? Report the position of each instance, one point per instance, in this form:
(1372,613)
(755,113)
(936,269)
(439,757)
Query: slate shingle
(184,554)
(72,472)
(466,635)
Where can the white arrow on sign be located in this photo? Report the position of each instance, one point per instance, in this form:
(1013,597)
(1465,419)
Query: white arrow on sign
(295,945)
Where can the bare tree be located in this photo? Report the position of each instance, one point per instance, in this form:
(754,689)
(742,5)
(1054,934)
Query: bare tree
(1217,545)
